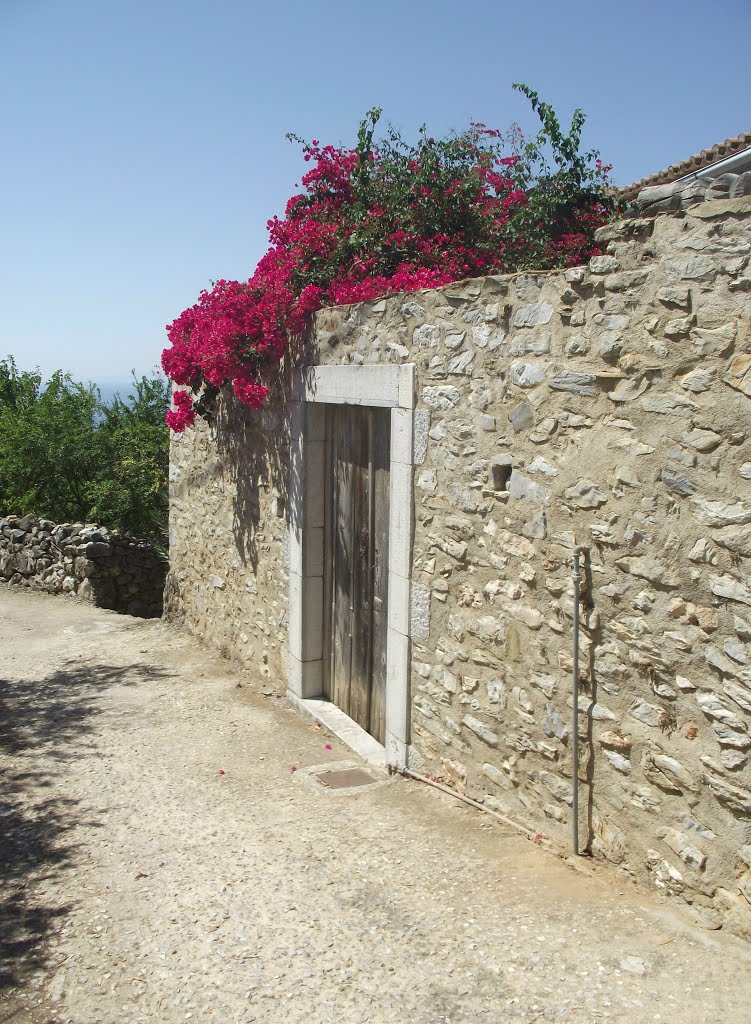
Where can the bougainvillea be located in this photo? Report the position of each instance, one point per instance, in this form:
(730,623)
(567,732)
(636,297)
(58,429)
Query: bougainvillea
(387,217)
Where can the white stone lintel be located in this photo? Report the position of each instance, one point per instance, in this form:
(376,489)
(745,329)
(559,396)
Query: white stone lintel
(378,386)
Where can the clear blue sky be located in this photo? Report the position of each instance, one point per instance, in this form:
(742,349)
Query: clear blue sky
(144,143)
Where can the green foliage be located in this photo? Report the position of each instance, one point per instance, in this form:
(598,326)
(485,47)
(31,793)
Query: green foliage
(66,455)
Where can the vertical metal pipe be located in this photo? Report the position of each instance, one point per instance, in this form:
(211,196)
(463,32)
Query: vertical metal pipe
(576,577)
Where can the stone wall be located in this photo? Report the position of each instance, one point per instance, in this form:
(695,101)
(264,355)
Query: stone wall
(682,194)
(605,405)
(228,487)
(83,560)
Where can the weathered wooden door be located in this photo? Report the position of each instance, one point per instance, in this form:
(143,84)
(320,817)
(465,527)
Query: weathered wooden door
(356,563)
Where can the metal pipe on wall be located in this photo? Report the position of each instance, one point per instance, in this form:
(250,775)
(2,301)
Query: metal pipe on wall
(576,578)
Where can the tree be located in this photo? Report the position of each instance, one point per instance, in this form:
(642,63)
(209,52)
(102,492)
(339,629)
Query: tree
(67,456)
(134,440)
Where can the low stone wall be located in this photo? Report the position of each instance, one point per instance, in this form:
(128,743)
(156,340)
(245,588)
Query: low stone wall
(85,561)
(607,405)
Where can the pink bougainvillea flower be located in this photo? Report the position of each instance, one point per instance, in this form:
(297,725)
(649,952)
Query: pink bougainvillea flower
(329,747)
(381,219)
(184,414)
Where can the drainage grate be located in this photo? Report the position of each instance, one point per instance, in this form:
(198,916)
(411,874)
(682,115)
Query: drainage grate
(346,778)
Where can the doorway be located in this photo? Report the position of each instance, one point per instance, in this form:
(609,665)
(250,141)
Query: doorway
(350,552)
(356,544)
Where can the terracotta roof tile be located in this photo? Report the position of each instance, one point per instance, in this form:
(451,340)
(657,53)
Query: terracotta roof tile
(698,162)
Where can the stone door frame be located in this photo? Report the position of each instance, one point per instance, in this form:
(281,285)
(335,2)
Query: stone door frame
(313,388)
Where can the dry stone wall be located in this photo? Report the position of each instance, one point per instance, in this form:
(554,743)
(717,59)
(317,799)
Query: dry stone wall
(84,561)
(606,406)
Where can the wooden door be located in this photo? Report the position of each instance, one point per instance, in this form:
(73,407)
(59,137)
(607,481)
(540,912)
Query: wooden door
(356,563)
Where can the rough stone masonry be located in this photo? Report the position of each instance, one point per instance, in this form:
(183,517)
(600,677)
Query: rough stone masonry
(607,405)
(83,560)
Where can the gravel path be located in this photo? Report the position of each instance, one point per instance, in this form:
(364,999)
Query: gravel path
(162,862)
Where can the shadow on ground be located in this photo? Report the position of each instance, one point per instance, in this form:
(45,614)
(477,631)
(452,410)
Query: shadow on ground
(43,720)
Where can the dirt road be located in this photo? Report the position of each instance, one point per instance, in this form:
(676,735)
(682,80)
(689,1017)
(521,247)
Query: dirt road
(163,862)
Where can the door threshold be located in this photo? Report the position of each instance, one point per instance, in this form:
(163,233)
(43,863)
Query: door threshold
(342,726)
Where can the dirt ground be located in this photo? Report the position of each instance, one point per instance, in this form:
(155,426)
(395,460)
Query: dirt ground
(163,862)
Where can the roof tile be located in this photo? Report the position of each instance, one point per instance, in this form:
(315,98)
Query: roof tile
(698,162)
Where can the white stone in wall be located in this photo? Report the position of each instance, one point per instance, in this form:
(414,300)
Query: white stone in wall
(461,364)
(736,651)
(717,341)
(700,380)
(739,374)
(674,295)
(665,405)
(526,375)
(586,494)
(540,465)
(560,789)
(480,399)
(718,660)
(574,382)
(735,797)
(511,544)
(679,327)
(740,695)
(427,480)
(522,488)
(543,431)
(420,612)
(680,844)
(535,314)
(645,712)
(603,265)
(537,343)
(441,396)
(426,336)
(531,617)
(728,737)
(618,761)
(702,440)
(721,513)
(667,773)
(596,711)
(480,730)
(732,589)
(629,389)
(691,268)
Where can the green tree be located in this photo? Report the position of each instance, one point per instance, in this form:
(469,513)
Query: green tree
(134,440)
(67,456)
